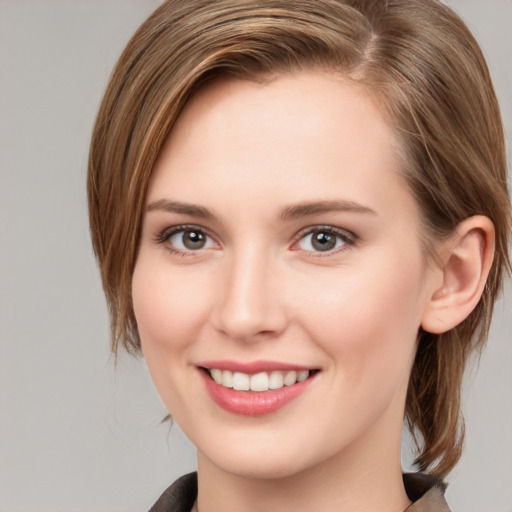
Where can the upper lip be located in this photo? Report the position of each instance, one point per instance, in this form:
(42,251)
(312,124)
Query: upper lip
(251,367)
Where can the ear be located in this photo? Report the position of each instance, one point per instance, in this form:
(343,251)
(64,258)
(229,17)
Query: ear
(466,260)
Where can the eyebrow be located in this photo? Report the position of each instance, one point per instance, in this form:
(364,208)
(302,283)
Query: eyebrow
(178,207)
(295,211)
(300,210)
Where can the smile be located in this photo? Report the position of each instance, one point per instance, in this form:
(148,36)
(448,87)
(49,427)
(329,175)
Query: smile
(254,389)
(258,382)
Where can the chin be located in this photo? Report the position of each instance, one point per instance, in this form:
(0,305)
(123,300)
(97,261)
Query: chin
(263,458)
(260,467)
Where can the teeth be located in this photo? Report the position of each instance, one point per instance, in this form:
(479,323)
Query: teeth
(262,381)
(290,378)
(302,375)
(227,379)
(216,375)
(240,381)
(276,380)
(259,382)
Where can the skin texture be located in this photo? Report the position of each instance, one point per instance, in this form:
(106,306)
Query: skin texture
(258,290)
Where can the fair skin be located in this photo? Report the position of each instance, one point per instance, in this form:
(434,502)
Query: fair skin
(279,236)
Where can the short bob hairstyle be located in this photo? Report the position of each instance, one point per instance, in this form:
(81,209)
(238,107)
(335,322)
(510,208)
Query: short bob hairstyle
(419,62)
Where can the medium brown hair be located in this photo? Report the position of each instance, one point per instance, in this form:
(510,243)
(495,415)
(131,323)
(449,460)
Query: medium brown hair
(421,63)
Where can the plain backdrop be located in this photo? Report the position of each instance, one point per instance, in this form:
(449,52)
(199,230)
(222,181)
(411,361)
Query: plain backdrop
(77,434)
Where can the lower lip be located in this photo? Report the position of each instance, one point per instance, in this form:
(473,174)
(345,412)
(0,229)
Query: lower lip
(251,403)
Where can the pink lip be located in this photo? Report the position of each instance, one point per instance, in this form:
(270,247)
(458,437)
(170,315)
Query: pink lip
(250,403)
(252,366)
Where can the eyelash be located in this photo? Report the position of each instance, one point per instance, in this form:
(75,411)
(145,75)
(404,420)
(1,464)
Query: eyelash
(168,233)
(346,237)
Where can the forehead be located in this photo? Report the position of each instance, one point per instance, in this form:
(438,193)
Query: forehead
(310,98)
(303,129)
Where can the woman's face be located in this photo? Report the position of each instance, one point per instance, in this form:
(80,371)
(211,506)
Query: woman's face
(281,251)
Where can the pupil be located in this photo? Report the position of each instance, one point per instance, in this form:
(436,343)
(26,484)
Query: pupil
(323,241)
(194,240)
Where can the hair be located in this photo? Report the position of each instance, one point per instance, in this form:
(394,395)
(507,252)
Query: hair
(418,60)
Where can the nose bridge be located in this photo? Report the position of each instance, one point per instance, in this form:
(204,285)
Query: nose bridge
(249,306)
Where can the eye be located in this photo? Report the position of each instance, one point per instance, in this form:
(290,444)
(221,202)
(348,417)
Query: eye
(324,239)
(186,239)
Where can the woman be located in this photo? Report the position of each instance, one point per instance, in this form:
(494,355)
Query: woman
(301,218)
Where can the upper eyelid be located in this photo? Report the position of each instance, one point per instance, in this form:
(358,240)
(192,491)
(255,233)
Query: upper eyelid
(318,227)
(169,231)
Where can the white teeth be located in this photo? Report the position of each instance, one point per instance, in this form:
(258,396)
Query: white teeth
(227,379)
(302,375)
(216,375)
(262,381)
(259,382)
(241,381)
(290,378)
(276,380)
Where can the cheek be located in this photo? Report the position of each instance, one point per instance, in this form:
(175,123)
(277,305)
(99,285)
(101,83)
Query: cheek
(168,309)
(367,320)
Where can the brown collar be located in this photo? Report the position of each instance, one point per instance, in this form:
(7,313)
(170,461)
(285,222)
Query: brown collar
(425,491)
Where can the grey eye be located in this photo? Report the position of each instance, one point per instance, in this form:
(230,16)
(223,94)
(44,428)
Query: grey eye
(321,240)
(190,240)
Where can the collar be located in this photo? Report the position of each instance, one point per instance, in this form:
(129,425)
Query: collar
(425,491)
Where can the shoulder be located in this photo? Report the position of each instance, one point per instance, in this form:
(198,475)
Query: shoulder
(179,497)
(426,492)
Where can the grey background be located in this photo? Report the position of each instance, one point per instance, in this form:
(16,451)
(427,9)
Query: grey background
(77,434)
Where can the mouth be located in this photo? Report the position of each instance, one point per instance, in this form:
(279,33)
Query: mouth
(258,382)
(255,389)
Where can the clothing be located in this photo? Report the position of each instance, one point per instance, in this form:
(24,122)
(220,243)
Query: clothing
(425,491)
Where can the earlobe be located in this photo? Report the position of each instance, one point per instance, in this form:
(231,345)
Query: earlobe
(466,261)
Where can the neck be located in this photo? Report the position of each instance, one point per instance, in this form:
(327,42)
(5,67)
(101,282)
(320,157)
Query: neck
(362,478)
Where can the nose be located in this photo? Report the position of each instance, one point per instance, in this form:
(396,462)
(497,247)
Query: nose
(250,306)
